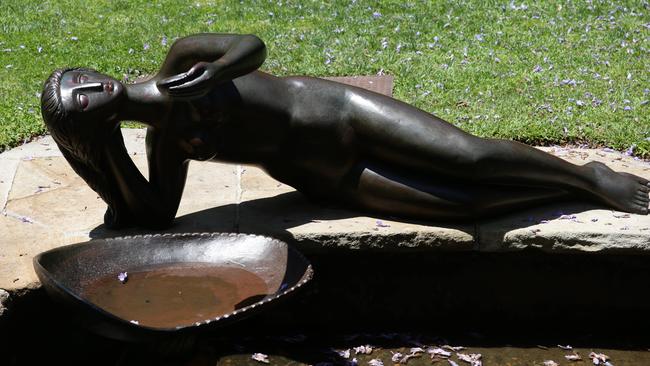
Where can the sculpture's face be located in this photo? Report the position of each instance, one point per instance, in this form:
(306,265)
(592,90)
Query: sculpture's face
(89,93)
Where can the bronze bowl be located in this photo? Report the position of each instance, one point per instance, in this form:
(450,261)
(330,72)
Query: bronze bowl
(70,273)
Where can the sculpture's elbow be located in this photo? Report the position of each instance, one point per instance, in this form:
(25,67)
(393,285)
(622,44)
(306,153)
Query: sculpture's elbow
(256,44)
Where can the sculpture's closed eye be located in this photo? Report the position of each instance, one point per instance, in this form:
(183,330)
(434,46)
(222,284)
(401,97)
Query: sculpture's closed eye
(81,78)
(83,100)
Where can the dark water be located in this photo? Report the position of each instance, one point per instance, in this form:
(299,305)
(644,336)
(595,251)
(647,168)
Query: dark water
(175,294)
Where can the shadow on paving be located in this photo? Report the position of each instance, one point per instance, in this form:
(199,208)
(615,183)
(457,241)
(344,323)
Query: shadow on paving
(275,216)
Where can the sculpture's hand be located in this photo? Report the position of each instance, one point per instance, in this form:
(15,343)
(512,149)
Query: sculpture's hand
(198,81)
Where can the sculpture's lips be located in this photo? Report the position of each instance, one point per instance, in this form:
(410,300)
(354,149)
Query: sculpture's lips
(109,87)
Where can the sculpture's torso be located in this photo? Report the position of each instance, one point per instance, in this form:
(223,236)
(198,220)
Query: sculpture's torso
(310,147)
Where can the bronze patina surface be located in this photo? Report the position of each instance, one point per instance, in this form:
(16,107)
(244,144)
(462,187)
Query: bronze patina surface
(152,286)
(330,141)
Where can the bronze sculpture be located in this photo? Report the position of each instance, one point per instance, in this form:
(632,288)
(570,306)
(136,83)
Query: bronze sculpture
(329,141)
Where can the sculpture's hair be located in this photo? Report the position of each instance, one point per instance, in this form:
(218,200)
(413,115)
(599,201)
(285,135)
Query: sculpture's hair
(81,143)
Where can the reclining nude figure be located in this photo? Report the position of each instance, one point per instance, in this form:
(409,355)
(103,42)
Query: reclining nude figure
(330,141)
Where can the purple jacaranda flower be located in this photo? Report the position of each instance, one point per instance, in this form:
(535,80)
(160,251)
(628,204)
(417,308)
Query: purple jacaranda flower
(627,108)
(73,38)
(123,277)
(381,224)
(260,357)
(375,362)
(438,352)
(364,350)
(479,37)
(537,68)
(573,357)
(580,103)
(344,353)
(376,14)
(571,82)
(630,150)
(146,46)
(550,363)
(397,356)
(163,41)
(598,358)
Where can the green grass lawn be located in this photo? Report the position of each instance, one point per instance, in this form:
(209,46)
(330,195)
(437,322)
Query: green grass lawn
(548,72)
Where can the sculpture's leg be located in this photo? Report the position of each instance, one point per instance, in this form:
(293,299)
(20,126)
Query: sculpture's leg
(424,143)
(379,189)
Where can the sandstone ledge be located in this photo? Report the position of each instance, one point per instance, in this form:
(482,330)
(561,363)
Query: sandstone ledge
(45,205)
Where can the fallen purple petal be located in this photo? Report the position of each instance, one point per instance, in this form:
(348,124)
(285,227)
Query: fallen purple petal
(397,356)
(473,359)
(438,352)
(573,357)
(567,217)
(381,224)
(598,358)
(364,350)
(375,362)
(260,357)
(123,277)
(550,363)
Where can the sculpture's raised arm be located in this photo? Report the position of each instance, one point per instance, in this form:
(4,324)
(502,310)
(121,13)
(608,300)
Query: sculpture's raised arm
(195,64)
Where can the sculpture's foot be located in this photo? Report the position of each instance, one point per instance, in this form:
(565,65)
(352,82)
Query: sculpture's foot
(622,191)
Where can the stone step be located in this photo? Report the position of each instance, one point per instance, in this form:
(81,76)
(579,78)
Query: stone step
(45,205)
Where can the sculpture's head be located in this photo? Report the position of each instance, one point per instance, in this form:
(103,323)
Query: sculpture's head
(79,107)
(79,100)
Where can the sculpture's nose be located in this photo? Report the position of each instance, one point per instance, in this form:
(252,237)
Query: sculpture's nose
(91,86)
